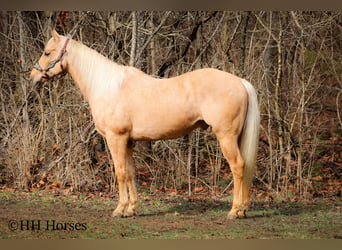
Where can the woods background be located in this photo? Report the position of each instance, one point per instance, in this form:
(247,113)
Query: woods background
(293,59)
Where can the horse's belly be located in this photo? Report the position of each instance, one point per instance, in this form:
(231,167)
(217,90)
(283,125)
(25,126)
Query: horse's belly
(153,130)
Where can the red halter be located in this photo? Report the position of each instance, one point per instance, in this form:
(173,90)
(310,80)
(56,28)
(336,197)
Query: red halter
(54,62)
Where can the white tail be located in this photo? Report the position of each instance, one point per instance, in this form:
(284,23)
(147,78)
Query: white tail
(250,135)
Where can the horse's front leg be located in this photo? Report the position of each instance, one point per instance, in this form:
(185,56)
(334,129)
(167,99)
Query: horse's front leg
(118,147)
(133,195)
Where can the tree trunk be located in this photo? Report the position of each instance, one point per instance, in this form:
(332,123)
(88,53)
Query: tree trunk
(25,175)
(134,39)
(245,18)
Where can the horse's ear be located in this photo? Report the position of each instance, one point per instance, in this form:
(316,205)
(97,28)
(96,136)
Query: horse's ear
(54,34)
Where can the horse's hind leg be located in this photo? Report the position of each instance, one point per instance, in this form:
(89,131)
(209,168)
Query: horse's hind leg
(133,195)
(230,149)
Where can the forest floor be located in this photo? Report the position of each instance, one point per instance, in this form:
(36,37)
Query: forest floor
(53,215)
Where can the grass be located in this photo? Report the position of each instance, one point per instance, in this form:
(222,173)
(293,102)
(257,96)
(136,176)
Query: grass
(166,217)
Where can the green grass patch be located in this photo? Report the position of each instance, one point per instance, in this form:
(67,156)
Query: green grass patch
(173,217)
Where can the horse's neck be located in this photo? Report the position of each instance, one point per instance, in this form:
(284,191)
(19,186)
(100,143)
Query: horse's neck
(93,73)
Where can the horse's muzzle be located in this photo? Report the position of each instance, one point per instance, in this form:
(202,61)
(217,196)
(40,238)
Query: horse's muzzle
(36,77)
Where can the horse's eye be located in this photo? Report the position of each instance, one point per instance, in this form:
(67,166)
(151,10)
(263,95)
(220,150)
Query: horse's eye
(46,53)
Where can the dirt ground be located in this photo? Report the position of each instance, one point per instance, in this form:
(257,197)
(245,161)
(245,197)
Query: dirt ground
(47,215)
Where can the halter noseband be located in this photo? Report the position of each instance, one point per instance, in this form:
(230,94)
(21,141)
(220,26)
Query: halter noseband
(54,62)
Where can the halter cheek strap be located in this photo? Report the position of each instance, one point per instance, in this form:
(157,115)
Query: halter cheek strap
(54,62)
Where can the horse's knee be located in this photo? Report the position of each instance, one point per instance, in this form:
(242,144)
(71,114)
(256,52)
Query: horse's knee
(121,173)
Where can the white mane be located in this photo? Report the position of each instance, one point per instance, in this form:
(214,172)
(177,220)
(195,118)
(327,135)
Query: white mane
(93,72)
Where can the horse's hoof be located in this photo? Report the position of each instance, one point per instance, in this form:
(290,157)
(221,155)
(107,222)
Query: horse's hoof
(237,215)
(129,214)
(242,214)
(117,215)
(231,217)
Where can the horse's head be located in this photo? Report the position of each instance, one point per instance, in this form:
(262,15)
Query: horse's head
(51,63)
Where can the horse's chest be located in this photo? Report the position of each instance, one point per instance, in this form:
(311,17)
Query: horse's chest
(108,118)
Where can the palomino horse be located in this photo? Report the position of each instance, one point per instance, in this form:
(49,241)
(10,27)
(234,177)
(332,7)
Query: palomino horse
(127,105)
